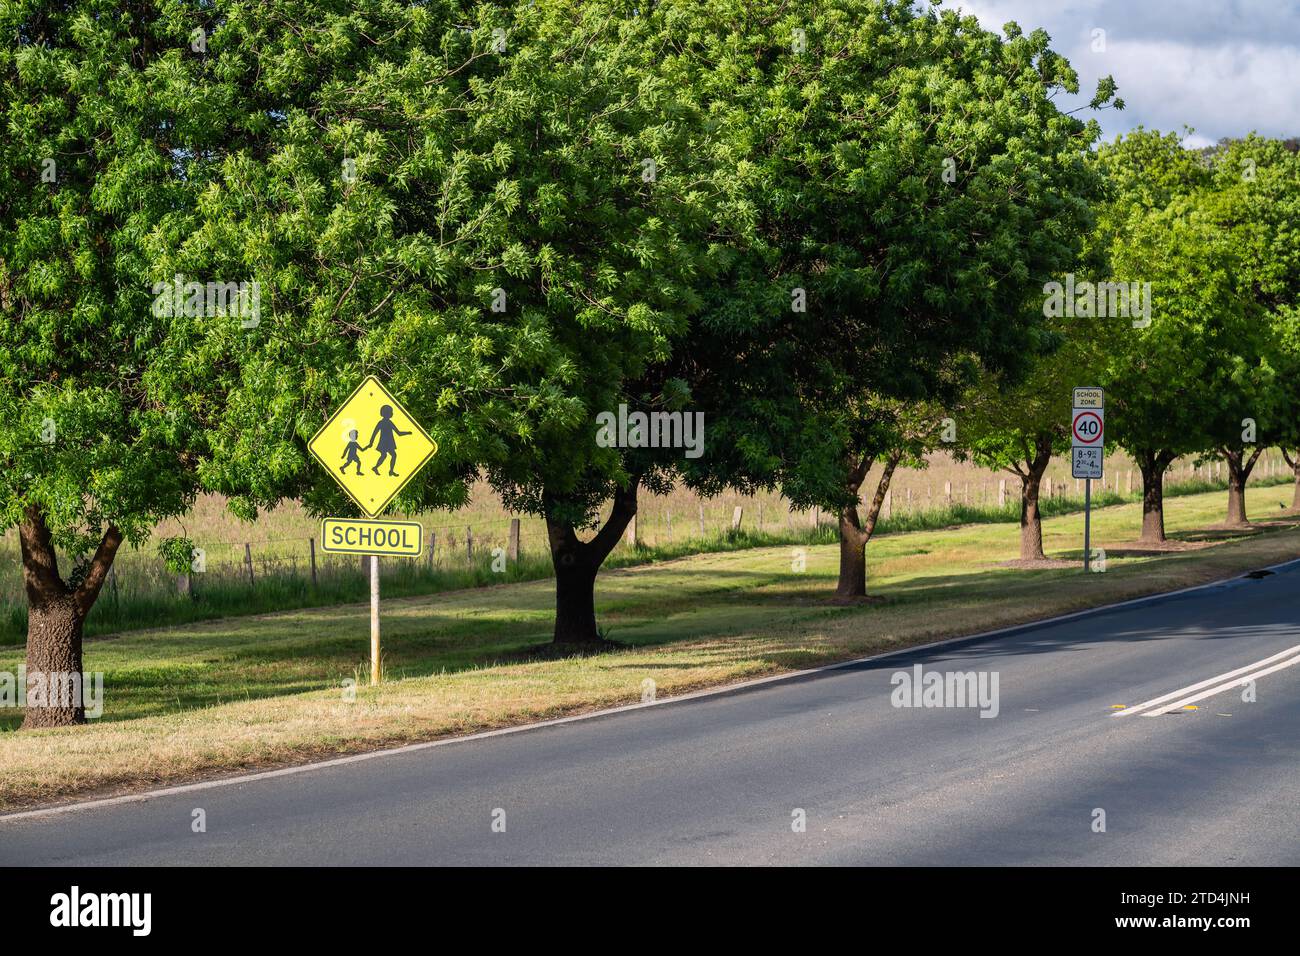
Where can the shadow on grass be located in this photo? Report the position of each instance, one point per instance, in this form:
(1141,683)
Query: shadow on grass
(462,637)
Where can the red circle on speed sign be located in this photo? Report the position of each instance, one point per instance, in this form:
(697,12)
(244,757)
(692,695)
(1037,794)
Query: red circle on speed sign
(1087,427)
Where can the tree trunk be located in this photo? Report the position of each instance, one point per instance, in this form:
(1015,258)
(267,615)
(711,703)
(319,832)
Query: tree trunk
(1240,465)
(54,662)
(1294,463)
(56,614)
(575,602)
(853,556)
(1031,479)
(1031,520)
(855,533)
(1030,470)
(576,563)
(1153,465)
(853,544)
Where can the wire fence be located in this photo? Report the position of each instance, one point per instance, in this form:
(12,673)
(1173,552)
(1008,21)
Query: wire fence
(288,568)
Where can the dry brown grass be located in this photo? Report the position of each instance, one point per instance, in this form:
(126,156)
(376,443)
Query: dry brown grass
(256,692)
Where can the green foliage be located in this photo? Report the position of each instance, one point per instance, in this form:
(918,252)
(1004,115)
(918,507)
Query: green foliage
(910,172)
(110,123)
(498,259)
(177,554)
(1185,383)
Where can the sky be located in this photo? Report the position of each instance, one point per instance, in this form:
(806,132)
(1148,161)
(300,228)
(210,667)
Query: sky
(1222,67)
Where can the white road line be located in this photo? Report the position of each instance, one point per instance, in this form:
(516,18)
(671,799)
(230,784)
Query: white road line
(235,780)
(1237,682)
(1218,679)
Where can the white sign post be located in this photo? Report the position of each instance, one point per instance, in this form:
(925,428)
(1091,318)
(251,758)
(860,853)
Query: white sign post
(1087,439)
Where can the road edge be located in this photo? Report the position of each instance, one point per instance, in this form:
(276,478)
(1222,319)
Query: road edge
(725,689)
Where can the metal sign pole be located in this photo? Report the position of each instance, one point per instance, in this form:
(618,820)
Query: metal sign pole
(1087,523)
(372,410)
(374,619)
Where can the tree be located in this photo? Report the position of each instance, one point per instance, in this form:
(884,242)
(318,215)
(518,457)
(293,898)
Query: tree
(1184,378)
(496,210)
(1256,185)
(109,115)
(905,431)
(1145,171)
(1019,426)
(905,186)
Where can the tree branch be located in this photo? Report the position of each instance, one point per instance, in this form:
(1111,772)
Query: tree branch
(100,564)
(882,487)
(624,510)
(40,563)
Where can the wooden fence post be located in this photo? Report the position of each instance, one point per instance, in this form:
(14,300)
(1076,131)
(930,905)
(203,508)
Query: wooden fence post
(248,560)
(433,543)
(1002,492)
(512,546)
(631,532)
(887,506)
(735,518)
(312,543)
(469,542)
(701,519)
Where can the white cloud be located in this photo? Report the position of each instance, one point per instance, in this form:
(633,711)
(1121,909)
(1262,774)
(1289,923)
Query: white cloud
(1222,67)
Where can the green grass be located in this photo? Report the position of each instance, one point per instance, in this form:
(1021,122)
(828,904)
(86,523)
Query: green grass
(155,603)
(185,702)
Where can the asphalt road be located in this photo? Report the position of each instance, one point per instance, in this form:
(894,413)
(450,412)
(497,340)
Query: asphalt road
(720,778)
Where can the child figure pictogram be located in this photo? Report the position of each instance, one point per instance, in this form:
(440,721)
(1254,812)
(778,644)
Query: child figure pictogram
(350,453)
(386,431)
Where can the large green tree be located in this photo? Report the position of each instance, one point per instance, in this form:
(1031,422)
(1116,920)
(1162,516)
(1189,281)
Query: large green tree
(112,114)
(903,186)
(1186,378)
(1019,425)
(1256,184)
(494,208)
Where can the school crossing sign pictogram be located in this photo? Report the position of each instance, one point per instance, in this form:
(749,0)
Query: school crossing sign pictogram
(372,446)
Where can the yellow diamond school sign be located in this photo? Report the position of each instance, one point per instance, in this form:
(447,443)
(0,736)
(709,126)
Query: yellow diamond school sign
(372,447)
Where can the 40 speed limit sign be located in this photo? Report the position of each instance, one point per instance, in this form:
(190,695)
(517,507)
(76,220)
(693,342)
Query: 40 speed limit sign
(1087,432)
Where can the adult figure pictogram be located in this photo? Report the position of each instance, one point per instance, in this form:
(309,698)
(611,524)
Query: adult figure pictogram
(386,432)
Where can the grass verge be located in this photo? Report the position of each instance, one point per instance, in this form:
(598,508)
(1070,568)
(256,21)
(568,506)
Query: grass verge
(236,694)
(216,597)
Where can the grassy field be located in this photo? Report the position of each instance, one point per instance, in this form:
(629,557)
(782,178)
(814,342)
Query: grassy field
(142,594)
(184,703)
